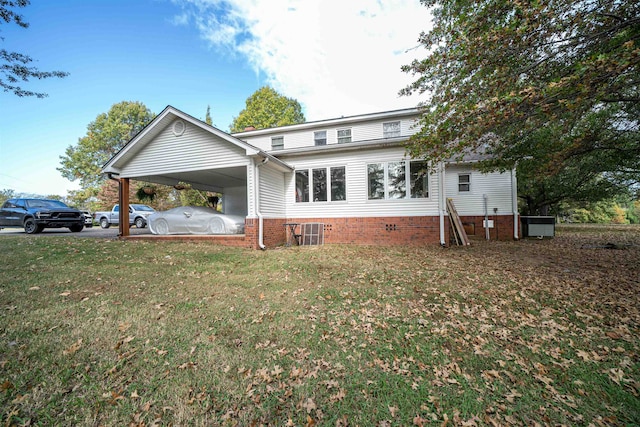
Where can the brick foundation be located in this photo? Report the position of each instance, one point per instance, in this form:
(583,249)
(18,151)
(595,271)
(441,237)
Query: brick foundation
(502,227)
(378,231)
(417,230)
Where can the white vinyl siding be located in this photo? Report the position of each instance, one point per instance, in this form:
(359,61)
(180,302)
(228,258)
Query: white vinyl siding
(195,149)
(271,192)
(363,131)
(357,203)
(495,185)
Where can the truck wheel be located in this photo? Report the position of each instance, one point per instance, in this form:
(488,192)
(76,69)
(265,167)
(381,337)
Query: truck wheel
(140,222)
(76,228)
(104,223)
(30,226)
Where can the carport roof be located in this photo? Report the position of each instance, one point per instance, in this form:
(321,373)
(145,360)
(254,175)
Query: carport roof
(168,115)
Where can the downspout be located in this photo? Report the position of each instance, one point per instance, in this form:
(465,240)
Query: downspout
(514,203)
(258,213)
(441,201)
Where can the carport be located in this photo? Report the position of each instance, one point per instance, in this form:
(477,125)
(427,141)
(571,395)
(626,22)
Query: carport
(176,147)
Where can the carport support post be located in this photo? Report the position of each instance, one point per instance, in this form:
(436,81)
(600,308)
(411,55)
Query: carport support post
(123,214)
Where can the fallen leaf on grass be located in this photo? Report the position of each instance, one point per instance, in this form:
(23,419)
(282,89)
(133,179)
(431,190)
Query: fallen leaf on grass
(616,375)
(187,365)
(74,347)
(123,327)
(309,405)
(341,394)
(34,288)
(310,421)
(6,385)
(419,421)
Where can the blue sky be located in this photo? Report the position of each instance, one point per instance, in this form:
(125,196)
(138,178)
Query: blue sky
(336,57)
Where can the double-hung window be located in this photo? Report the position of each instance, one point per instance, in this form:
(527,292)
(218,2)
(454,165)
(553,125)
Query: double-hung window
(388,180)
(391,129)
(464,182)
(277,143)
(321,184)
(344,136)
(320,137)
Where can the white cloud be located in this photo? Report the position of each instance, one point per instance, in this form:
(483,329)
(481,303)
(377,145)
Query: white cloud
(336,57)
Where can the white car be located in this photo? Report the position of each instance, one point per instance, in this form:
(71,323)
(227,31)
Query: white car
(195,220)
(88,219)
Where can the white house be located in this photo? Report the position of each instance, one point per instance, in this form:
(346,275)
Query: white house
(350,175)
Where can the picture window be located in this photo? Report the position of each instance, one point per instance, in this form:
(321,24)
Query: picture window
(389,180)
(322,184)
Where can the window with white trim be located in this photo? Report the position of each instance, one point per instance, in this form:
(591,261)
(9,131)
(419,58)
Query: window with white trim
(388,180)
(344,136)
(320,137)
(321,184)
(302,185)
(464,182)
(277,143)
(391,129)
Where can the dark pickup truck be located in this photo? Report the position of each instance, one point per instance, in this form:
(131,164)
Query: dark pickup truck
(34,215)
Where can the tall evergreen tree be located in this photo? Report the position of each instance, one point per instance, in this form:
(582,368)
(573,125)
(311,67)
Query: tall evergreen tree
(207,118)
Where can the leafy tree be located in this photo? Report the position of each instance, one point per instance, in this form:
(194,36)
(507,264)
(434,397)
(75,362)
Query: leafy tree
(106,135)
(551,86)
(6,194)
(107,196)
(15,67)
(266,108)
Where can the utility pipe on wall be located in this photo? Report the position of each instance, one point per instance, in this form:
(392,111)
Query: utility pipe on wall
(514,203)
(486,216)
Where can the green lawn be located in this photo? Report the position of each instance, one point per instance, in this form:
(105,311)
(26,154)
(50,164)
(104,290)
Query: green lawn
(103,332)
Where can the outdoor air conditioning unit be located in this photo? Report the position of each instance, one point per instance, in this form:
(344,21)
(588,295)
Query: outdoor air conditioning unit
(538,226)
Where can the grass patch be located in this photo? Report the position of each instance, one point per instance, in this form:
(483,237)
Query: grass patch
(105,332)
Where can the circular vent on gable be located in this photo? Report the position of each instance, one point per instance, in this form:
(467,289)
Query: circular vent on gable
(178,127)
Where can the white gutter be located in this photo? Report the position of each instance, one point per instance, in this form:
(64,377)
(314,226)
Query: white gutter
(514,202)
(441,201)
(257,201)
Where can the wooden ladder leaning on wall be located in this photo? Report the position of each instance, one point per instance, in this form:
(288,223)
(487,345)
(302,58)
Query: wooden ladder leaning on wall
(459,234)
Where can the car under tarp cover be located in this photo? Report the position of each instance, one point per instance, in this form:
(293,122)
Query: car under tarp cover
(195,220)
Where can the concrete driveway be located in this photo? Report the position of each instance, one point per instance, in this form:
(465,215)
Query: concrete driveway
(95,231)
